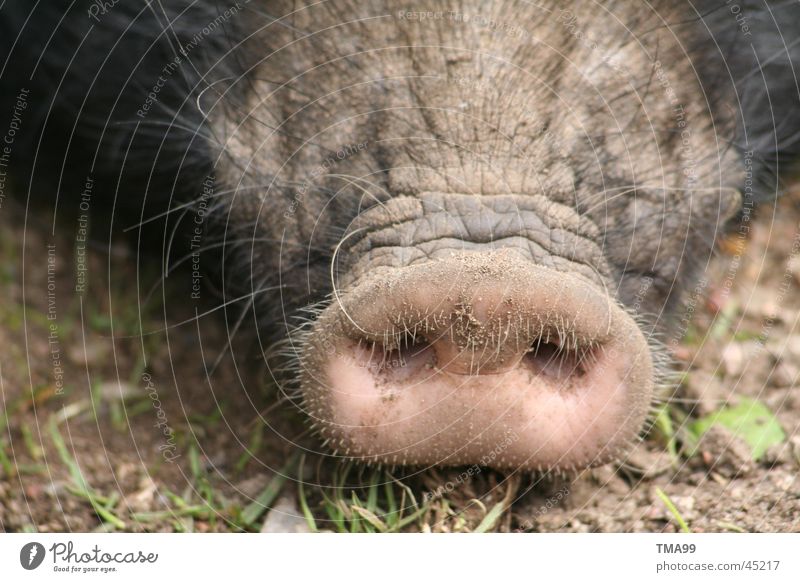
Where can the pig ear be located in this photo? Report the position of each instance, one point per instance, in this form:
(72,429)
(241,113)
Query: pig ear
(761,44)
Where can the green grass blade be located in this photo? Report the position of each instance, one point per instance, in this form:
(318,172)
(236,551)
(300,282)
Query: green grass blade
(673,510)
(264,500)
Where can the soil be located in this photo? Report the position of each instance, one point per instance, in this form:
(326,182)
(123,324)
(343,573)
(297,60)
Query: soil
(119,416)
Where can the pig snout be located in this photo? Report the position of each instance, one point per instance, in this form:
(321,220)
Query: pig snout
(476,353)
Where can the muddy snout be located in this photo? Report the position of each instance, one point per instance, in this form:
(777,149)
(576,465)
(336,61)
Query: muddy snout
(477,358)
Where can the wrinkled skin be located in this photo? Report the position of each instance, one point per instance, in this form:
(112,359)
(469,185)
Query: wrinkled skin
(466,233)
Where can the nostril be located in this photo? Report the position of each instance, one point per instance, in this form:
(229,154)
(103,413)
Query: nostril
(559,362)
(397,359)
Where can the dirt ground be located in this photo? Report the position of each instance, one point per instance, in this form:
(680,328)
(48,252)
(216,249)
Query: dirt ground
(119,416)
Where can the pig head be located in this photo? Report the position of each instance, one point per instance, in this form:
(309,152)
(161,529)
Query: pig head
(493,207)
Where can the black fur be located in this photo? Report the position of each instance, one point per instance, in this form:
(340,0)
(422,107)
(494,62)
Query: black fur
(88,78)
(759,66)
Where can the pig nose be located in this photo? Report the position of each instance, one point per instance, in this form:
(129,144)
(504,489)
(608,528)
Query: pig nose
(438,362)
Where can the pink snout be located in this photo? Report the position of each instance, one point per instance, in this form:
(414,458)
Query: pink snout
(480,358)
